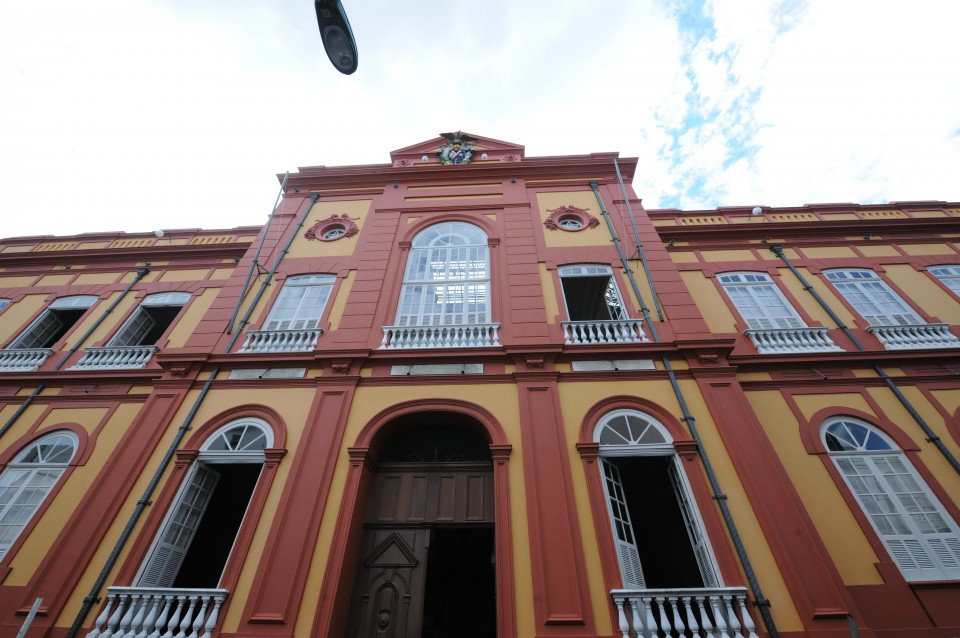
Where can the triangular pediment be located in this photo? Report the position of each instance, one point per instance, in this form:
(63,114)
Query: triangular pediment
(496,151)
(392,552)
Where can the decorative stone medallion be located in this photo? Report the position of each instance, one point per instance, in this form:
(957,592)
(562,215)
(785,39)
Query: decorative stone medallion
(570,219)
(332,228)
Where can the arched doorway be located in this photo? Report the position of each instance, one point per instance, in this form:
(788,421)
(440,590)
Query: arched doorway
(427,559)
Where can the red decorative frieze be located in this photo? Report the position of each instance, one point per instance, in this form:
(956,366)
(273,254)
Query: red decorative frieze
(332,228)
(570,219)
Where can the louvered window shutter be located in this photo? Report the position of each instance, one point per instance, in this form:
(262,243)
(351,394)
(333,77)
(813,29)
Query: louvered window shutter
(177,534)
(762,305)
(623,533)
(136,329)
(920,536)
(698,540)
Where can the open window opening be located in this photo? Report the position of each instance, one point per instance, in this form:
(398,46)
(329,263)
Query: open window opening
(59,317)
(591,293)
(195,541)
(659,537)
(151,320)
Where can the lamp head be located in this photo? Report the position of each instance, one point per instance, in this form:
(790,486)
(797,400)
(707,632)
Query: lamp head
(337,37)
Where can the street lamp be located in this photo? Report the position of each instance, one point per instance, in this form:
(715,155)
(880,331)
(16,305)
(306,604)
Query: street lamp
(336,35)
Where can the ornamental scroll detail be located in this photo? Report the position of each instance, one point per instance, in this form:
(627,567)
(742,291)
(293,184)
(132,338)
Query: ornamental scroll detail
(332,228)
(571,219)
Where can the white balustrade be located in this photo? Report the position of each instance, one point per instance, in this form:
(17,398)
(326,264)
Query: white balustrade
(787,340)
(916,336)
(156,612)
(281,340)
(23,359)
(622,331)
(717,612)
(463,336)
(114,357)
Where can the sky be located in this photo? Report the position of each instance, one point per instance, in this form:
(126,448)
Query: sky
(138,115)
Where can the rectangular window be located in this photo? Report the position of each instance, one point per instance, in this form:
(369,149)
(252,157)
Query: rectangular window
(949,276)
(154,316)
(872,298)
(759,301)
(591,294)
(301,303)
(54,322)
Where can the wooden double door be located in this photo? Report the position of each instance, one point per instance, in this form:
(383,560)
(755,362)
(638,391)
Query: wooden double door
(426,565)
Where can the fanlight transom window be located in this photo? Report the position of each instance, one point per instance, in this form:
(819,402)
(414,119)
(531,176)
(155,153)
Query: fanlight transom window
(241,440)
(447,279)
(626,427)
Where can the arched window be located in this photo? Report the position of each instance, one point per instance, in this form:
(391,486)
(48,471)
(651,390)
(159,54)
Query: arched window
(643,481)
(194,542)
(28,479)
(922,538)
(151,320)
(54,322)
(447,279)
(759,301)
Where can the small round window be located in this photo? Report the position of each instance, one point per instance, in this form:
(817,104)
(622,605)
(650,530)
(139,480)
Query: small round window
(570,223)
(570,219)
(334,232)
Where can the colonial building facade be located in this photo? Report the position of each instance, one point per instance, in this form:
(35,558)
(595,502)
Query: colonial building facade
(475,393)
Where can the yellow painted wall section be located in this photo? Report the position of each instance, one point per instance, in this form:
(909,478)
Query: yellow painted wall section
(830,296)
(727,255)
(153,275)
(924,292)
(547,284)
(105,329)
(841,534)
(190,317)
(704,292)
(340,300)
(928,249)
(16,282)
(879,251)
(96,278)
(586,200)
(221,273)
(14,317)
(55,280)
(804,299)
(685,257)
(575,401)
(827,252)
(185,275)
(950,400)
(357,210)
(72,491)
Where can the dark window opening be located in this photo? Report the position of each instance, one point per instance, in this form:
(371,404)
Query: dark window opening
(460,592)
(448,441)
(50,328)
(205,559)
(666,555)
(591,298)
(146,326)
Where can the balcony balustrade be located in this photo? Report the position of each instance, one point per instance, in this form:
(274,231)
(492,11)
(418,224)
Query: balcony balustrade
(158,612)
(23,359)
(789,340)
(114,357)
(719,612)
(622,331)
(915,337)
(281,340)
(474,335)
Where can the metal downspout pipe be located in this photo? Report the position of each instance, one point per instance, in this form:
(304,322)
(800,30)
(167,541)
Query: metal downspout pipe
(93,597)
(141,273)
(636,239)
(931,436)
(760,601)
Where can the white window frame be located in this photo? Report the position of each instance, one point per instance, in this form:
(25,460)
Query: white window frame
(48,323)
(920,536)
(643,435)
(872,298)
(949,276)
(446,281)
(28,479)
(618,310)
(759,300)
(140,322)
(187,509)
(301,302)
